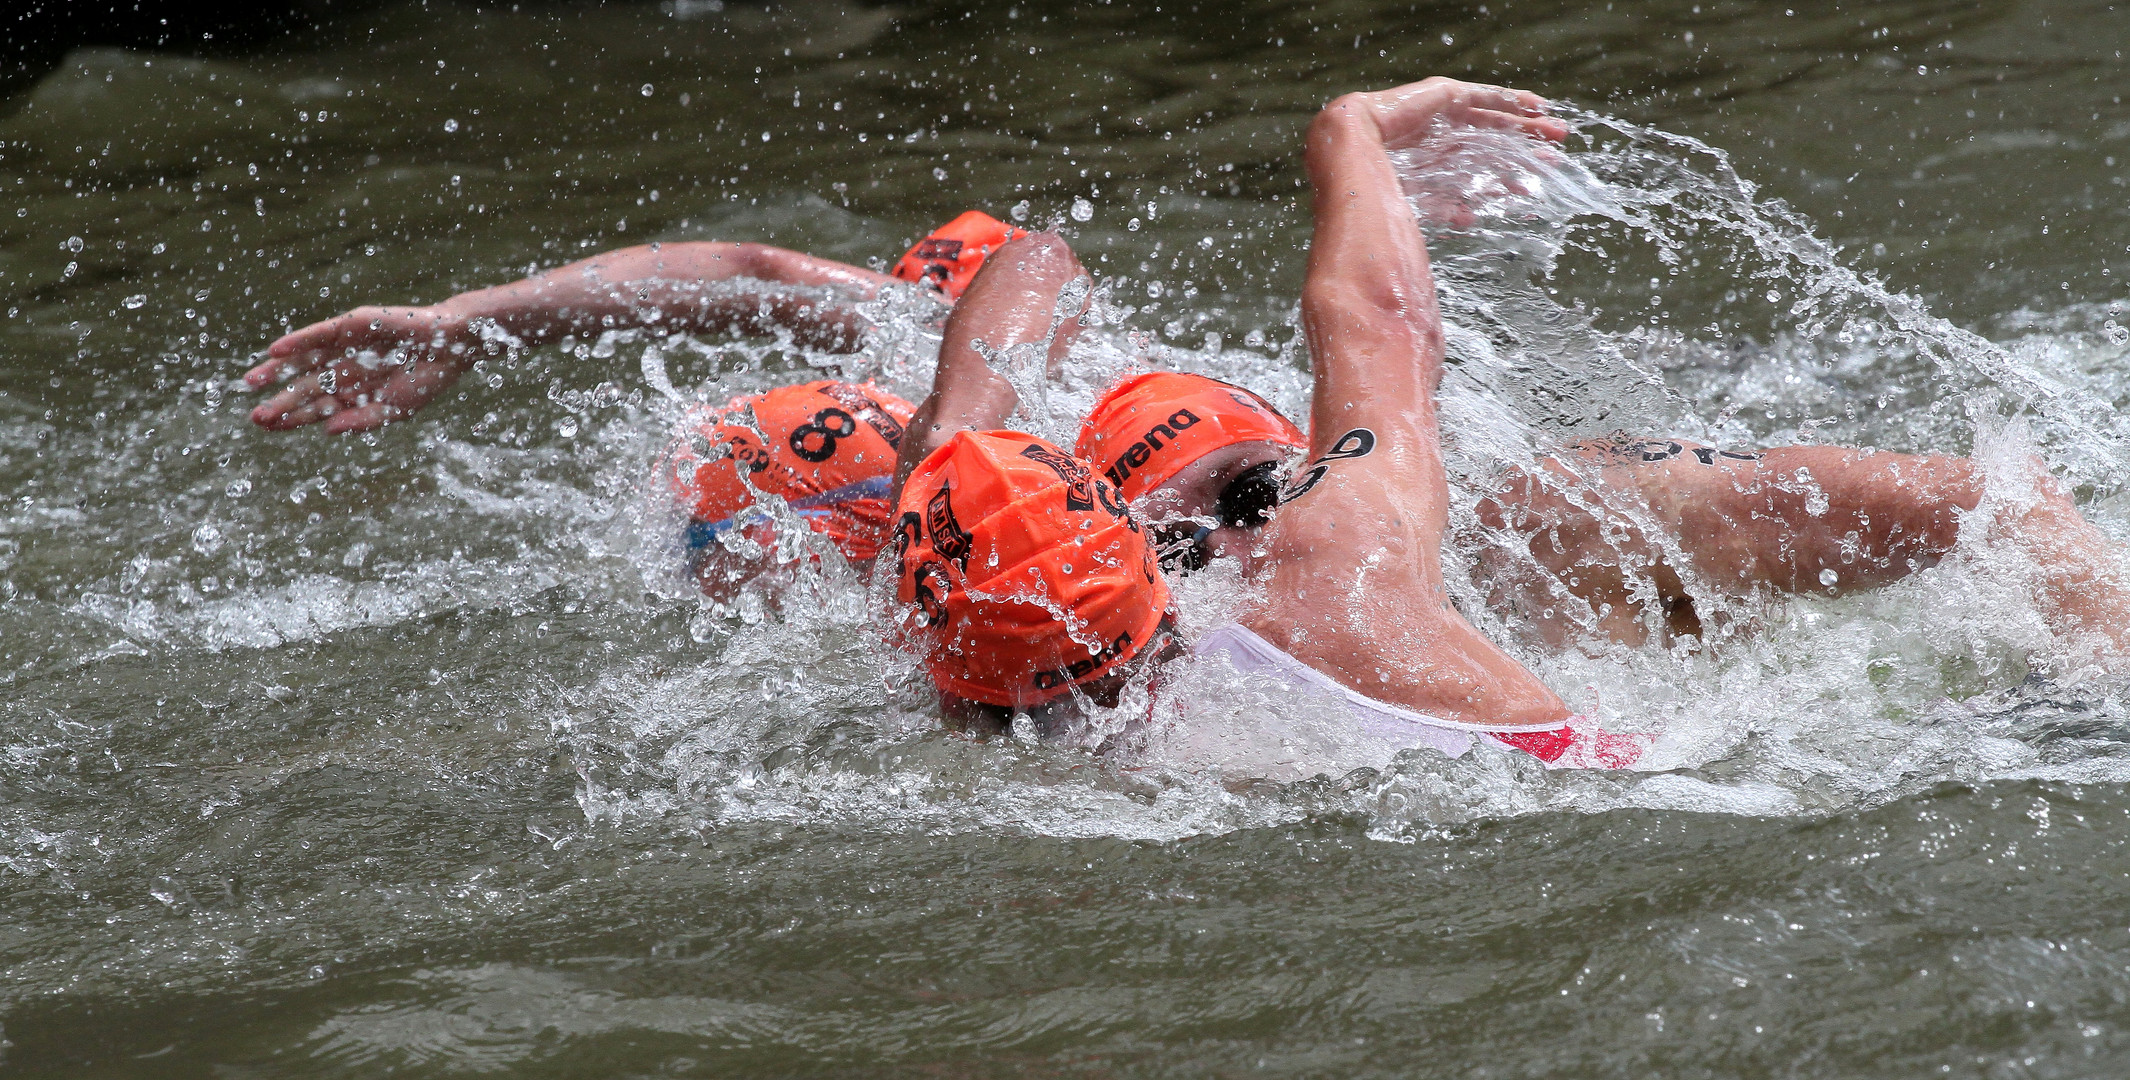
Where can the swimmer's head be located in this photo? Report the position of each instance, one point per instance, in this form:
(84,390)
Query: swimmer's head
(1197,455)
(949,258)
(1028,574)
(826,448)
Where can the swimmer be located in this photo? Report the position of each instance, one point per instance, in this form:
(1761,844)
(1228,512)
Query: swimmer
(1826,520)
(1201,461)
(1035,589)
(1351,563)
(827,448)
(1030,586)
(374,365)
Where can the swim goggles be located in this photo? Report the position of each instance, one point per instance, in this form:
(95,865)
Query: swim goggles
(1246,502)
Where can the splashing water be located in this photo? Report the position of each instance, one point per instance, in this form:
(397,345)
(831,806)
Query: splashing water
(785,705)
(1828,703)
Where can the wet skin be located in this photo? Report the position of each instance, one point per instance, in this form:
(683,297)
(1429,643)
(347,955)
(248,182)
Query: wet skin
(375,365)
(1729,524)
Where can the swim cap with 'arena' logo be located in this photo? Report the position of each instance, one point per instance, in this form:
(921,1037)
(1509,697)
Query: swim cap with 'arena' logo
(1151,426)
(1028,573)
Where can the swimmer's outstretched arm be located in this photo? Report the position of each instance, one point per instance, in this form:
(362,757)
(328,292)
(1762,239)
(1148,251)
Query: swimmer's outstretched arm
(1354,580)
(706,286)
(1013,301)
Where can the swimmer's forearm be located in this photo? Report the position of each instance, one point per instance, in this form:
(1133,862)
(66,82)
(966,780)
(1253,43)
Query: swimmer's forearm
(671,286)
(1013,302)
(1369,300)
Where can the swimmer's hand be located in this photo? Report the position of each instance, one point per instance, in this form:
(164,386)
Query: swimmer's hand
(364,369)
(1423,120)
(1409,115)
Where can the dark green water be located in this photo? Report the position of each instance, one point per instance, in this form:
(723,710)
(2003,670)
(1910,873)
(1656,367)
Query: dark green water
(398,755)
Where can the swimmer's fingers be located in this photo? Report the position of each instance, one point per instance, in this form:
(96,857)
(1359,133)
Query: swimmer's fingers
(308,349)
(1538,127)
(301,402)
(365,329)
(274,369)
(400,396)
(1410,114)
(314,396)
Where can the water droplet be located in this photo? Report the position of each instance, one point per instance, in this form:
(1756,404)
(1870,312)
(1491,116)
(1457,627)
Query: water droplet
(207,539)
(451,125)
(647,89)
(1828,577)
(1082,210)
(1019,211)
(73,243)
(939,174)
(566,427)
(134,302)
(238,488)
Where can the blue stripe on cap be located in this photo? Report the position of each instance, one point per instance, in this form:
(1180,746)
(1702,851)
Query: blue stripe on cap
(699,534)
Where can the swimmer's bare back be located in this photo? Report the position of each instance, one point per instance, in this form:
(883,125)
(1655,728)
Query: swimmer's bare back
(1729,523)
(1352,564)
(1788,519)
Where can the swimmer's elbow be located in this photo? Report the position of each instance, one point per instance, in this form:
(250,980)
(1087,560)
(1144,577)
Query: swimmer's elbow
(760,261)
(1343,114)
(1041,251)
(1342,294)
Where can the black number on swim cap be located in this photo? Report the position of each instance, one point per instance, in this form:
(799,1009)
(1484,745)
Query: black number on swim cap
(844,428)
(866,409)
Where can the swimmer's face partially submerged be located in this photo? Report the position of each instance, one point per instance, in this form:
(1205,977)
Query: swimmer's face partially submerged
(1214,507)
(826,449)
(1199,458)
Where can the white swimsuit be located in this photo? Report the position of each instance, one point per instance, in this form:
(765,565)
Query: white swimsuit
(1253,655)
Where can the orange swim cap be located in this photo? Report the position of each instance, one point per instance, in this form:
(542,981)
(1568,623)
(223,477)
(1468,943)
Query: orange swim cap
(1030,574)
(1152,425)
(948,259)
(828,448)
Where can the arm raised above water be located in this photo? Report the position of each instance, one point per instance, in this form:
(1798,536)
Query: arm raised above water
(1369,301)
(1013,301)
(1354,558)
(759,289)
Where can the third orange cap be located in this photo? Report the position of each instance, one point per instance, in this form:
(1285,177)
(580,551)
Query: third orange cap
(1152,425)
(1029,572)
(826,447)
(949,258)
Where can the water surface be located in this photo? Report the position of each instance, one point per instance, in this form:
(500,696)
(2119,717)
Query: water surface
(408,753)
